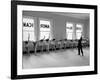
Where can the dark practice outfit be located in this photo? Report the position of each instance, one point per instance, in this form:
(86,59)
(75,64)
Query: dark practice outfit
(80,46)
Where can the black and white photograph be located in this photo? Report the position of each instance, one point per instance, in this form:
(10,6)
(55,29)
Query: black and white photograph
(54,38)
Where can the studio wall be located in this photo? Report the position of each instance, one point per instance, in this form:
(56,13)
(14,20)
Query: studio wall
(58,23)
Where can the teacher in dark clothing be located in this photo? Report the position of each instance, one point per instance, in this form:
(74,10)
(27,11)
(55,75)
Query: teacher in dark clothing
(80,46)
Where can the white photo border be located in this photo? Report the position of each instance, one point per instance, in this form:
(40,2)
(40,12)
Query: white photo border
(21,71)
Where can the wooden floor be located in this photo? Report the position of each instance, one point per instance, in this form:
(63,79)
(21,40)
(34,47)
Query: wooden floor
(62,58)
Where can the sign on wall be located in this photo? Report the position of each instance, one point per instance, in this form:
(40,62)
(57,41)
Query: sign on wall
(79,28)
(44,29)
(44,25)
(69,27)
(28,29)
(28,23)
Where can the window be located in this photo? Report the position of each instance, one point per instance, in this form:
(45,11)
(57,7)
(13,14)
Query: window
(69,31)
(28,29)
(78,31)
(45,32)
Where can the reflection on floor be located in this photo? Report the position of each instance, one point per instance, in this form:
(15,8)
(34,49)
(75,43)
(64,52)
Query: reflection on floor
(63,58)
